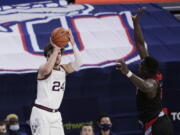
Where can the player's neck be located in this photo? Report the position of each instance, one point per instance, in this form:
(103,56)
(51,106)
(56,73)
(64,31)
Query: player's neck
(57,67)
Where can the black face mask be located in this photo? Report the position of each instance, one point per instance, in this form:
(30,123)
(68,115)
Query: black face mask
(105,127)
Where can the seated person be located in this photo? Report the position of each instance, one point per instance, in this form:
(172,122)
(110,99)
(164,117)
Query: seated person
(87,129)
(105,125)
(3,129)
(13,127)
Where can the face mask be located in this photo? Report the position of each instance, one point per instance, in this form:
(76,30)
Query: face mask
(105,127)
(14,127)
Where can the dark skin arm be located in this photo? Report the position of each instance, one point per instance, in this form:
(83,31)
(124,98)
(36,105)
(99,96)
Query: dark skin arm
(148,86)
(138,35)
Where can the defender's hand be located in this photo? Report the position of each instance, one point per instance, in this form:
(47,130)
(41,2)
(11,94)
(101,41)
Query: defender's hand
(122,67)
(138,15)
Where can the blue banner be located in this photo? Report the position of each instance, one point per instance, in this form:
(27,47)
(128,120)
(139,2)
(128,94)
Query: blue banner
(12,2)
(103,34)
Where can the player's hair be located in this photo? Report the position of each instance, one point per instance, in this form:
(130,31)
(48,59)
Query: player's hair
(86,124)
(151,65)
(102,116)
(49,48)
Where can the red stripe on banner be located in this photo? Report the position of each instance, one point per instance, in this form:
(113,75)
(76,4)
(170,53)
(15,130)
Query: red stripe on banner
(129,38)
(17,70)
(78,33)
(22,37)
(24,41)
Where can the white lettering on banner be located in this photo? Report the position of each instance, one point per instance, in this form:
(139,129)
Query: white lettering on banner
(14,13)
(102,37)
(175,115)
(32,34)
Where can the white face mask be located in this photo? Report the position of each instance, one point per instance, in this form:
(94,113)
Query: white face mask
(14,127)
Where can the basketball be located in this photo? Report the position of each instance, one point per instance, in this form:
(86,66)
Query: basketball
(59,37)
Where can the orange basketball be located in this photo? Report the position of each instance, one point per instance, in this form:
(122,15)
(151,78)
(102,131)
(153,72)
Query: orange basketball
(59,37)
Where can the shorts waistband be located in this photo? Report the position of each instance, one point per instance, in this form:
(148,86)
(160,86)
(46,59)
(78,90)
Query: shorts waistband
(46,108)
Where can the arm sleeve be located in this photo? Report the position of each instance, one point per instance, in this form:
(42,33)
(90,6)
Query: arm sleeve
(78,59)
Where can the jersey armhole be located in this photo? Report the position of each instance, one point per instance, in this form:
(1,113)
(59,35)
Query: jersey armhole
(45,77)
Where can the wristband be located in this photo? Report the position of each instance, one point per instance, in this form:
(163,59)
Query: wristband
(129,74)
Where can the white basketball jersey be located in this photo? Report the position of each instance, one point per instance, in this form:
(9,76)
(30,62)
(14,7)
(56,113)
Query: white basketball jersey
(50,90)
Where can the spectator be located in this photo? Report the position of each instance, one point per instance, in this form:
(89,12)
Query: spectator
(13,125)
(3,129)
(87,129)
(105,125)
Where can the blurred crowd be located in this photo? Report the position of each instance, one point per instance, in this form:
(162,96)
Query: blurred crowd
(11,126)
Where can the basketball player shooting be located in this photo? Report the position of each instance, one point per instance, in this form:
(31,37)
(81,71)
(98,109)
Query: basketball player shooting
(45,118)
(152,116)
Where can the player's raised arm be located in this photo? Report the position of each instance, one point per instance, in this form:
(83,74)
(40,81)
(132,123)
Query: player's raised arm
(138,35)
(51,56)
(74,66)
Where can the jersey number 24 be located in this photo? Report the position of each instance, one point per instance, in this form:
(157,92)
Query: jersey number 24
(57,86)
